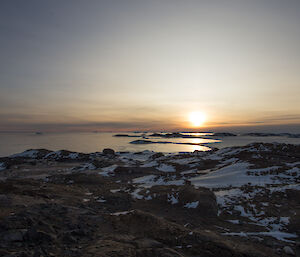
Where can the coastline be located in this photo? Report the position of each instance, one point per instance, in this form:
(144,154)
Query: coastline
(91,142)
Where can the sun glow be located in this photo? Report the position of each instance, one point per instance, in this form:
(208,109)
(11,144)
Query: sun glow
(197,118)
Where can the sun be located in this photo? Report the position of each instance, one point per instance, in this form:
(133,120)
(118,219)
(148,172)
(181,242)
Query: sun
(197,118)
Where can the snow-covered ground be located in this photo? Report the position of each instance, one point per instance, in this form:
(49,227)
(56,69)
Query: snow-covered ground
(245,181)
(240,186)
(238,174)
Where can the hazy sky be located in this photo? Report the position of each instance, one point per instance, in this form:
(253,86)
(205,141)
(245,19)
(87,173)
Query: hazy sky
(119,65)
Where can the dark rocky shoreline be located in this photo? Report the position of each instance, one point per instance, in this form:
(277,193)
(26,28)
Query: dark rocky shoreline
(151,204)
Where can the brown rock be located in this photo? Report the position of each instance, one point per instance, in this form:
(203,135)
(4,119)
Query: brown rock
(207,205)
(5,201)
(110,248)
(147,243)
(108,151)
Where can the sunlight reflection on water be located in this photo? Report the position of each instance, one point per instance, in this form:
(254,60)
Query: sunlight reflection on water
(91,142)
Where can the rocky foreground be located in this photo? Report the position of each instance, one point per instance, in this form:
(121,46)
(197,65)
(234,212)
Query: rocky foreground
(237,201)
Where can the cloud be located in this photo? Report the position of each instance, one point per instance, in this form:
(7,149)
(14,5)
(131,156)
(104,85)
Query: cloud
(88,126)
(287,117)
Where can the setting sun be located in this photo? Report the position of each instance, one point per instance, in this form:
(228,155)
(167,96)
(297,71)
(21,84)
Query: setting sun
(197,118)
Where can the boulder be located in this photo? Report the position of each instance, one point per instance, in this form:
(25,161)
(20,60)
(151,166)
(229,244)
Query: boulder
(110,248)
(145,224)
(34,235)
(201,199)
(288,250)
(5,200)
(156,155)
(13,236)
(108,151)
(147,243)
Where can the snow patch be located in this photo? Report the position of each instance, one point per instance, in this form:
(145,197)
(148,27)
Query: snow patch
(135,194)
(122,213)
(26,154)
(275,234)
(192,204)
(107,171)
(173,199)
(115,190)
(87,166)
(2,166)
(73,156)
(236,175)
(166,168)
(153,180)
(101,200)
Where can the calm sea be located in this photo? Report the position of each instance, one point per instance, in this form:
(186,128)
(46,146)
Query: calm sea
(11,143)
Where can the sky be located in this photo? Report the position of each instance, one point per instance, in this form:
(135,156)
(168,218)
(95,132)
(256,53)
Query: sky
(70,65)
